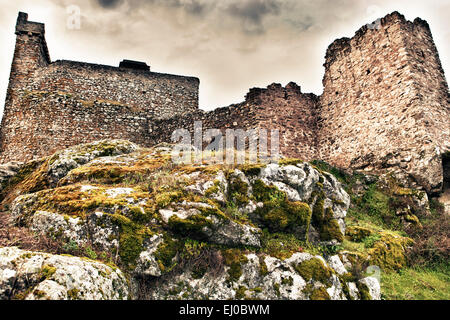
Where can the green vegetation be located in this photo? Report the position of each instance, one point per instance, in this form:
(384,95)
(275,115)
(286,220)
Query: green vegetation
(234,258)
(343,177)
(414,260)
(314,269)
(166,253)
(73,294)
(240,293)
(417,284)
(47,271)
(278,213)
(322,218)
(189,227)
(289,161)
(251,169)
(284,245)
(131,239)
(382,224)
(238,191)
(319,294)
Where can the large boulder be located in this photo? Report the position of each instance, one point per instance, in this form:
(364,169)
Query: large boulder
(62,162)
(249,276)
(322,191)
(35,275)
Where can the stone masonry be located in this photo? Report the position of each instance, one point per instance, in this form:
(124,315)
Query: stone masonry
(287,109)
(53,105)
(385,104)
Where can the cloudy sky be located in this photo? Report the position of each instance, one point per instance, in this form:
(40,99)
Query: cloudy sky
(231,45)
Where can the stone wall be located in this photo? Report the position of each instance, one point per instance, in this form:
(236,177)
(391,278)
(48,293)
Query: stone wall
(275,108)
(385,104)
(61,120)
(160,95)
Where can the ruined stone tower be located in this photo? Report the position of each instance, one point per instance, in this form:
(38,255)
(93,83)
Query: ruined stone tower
(384,108)
(52,105)
(385,104)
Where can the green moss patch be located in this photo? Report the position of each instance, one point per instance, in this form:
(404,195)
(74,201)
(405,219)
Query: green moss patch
(238,191)
(322,218)
(251,169)
(190,227)
(417,284)
(166,253)
(165,198)
(131,239)
(289,161)
(234,258)
(357,233)
(319,294)
(382,248)
(47,272)
(284,245)
(279,214)
(363,291)
(389,253)
(315,269)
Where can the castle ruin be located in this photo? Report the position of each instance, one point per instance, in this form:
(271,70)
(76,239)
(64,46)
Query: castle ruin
(54,105)
(385,104)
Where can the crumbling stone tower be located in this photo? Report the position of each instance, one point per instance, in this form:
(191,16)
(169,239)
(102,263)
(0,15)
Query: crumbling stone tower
(53,105)
(385,104)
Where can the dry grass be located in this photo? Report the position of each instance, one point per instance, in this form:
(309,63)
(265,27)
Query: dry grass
(13,236)
(432,242)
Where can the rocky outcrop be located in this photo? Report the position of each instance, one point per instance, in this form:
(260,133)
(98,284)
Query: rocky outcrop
(300,277)
(209,226)
(68,159)
(35,276)
(7,171)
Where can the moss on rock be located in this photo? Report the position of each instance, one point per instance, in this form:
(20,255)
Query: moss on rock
(323,218)
(289,161)
(238,191)
(190,227)
(131,239)
(319,294)
(357,233)
(278,213)
(166,253)
(234,258)
(314,269)
(363,291)
(389,253)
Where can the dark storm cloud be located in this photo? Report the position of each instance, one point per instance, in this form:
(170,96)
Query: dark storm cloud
(250,13)
(194,7)
(109,4)
(254,10)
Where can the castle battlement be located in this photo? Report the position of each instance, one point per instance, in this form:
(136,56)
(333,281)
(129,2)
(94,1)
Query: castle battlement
(23,26)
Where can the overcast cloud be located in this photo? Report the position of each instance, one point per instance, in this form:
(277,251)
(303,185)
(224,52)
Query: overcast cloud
(230,45)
